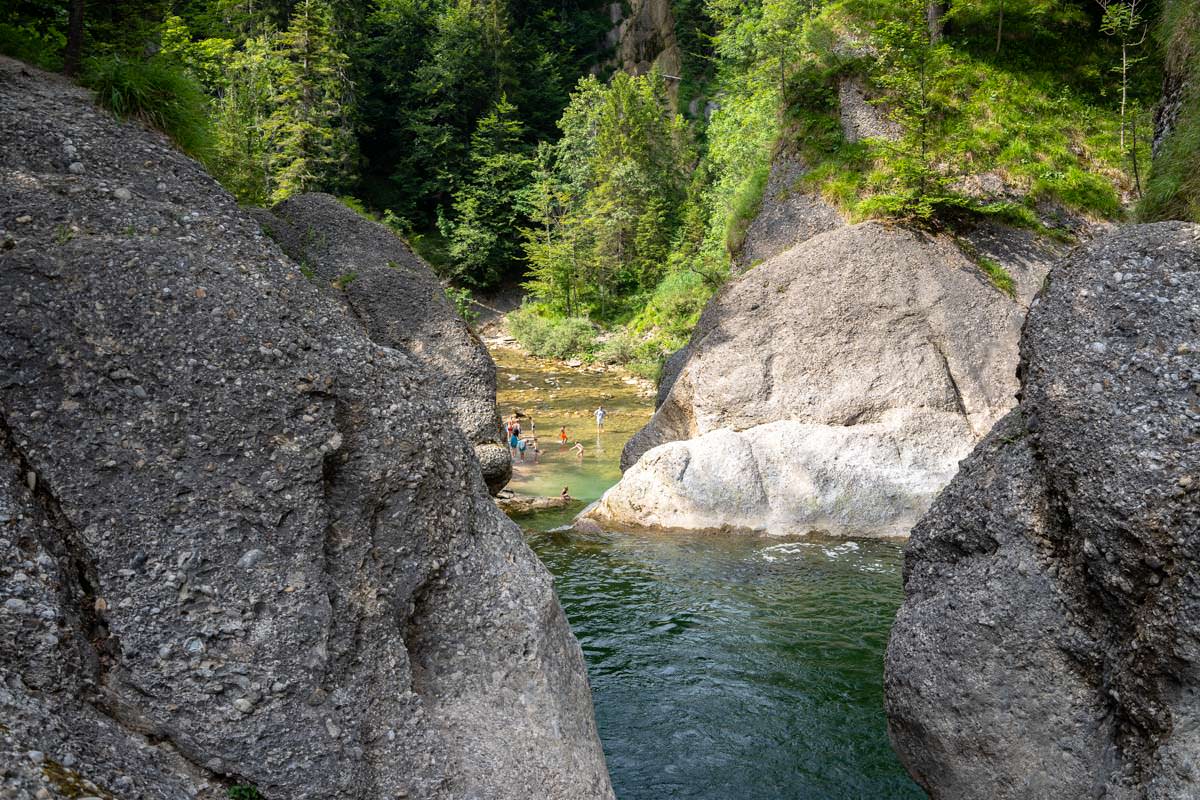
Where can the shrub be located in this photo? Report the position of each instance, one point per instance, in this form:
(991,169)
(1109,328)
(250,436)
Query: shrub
(43,48)
(743,208)
(344,280)
(158,93)
(551,338)
(463,301)
(244,792)
(621,348)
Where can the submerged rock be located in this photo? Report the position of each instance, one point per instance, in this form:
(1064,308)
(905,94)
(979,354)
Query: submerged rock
(1047,645)
(518,504)
(834,388)
(400,303)
(243,543)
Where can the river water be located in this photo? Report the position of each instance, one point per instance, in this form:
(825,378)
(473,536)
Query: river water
(722,667)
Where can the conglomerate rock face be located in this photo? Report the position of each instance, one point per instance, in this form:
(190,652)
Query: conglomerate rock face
(1049,642)
(834,387)
(400,303)
(240,543)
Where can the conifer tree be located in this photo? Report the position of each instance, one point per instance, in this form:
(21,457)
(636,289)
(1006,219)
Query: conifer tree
(312,144)
(490,208)
(912,65)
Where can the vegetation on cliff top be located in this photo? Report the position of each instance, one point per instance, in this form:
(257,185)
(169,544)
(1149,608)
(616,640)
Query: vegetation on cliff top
(474,128)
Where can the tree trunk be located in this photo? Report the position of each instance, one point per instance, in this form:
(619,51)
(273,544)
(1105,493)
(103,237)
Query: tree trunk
(74,52)
(935,18)
(1000,27)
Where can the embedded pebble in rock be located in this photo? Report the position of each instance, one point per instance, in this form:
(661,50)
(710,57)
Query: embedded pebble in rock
(390,588)
(1046,647)
(121,193)
(251,558)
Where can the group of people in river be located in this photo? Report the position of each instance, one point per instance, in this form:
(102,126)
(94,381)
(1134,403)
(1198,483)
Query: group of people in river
(528,444)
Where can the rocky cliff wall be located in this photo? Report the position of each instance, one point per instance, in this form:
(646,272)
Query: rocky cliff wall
(400,303)
(834,387)
(645,39)
(240,543)
(1049,642)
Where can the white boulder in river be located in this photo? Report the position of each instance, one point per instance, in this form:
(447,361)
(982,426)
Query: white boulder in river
(834,388)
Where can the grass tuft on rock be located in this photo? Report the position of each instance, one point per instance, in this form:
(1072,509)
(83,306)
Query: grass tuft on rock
(159,94)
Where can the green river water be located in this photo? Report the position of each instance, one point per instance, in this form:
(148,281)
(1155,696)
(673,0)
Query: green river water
(722,667)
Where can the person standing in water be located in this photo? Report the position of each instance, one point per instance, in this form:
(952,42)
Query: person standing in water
(562,436)
(578,450)
(600,415)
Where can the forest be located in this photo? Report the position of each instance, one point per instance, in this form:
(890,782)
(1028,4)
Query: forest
(503,140)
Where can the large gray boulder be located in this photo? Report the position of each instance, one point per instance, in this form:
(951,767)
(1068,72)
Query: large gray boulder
(834,387)
(240,543)
(400,303)
(1049,642)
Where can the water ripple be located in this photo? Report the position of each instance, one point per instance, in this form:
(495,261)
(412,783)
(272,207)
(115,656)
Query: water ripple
(735,666)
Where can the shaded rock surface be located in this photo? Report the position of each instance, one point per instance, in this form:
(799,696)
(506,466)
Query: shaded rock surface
(400,303)
(240,543)
(1049,642)
(834,387)
(645,38)
(1179,70)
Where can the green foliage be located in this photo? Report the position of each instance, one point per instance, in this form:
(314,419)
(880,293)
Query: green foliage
(1173,189)
(605,200)
(1034,115)
(744,207)
(242,108)
(489,208)
(463,302)
(996,273)
(914,70)
(618,349)
(312,143)
(549,336)
(156,92)
(37,44)
(244,791)
(428,71)
(344,280)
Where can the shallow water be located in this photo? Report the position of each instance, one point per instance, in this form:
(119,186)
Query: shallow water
(558,397)
(721,666)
